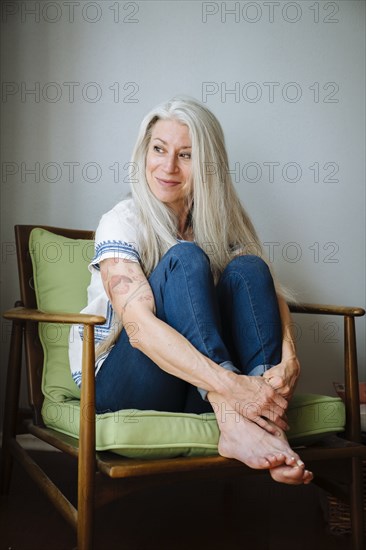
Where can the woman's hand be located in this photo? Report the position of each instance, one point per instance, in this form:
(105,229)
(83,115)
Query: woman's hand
(284,376)
(255,399)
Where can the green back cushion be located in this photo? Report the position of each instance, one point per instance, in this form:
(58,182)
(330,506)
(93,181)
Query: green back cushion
(61,278)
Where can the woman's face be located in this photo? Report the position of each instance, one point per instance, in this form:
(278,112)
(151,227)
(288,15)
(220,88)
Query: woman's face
(168,164)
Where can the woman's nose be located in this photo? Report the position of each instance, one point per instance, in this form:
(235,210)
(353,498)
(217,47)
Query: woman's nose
(170,164)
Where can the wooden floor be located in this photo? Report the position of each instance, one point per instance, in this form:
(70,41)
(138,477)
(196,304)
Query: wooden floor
(251,514)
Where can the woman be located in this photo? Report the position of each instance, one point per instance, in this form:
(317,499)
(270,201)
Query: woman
(188,306)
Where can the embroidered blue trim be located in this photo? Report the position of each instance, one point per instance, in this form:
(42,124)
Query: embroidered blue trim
(117,248)
(101,332)
(77,378)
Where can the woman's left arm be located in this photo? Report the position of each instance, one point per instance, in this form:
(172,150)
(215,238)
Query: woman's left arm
(283,377)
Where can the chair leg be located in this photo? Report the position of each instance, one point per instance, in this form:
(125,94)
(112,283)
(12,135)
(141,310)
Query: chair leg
(11,405)
(86,467)
(85,523)
(356,505)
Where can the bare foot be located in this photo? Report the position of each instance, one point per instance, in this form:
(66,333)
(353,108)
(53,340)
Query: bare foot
(244,440)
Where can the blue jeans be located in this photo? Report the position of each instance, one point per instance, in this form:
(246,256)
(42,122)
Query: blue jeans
(236,322)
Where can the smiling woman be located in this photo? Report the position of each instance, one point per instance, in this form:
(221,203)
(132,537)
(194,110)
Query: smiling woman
(187,331)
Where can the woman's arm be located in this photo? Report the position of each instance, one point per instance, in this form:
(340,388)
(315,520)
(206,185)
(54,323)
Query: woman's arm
(133,301)
(283,377)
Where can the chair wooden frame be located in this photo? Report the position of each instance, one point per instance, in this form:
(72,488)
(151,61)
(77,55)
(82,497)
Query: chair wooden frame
(106,475)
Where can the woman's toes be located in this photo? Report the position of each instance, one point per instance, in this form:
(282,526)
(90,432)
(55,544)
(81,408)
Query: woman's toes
(308,477)
(292,475)
(294,461)
(275,459)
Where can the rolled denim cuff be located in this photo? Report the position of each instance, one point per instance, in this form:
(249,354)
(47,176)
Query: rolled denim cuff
(259,370)
(225,365)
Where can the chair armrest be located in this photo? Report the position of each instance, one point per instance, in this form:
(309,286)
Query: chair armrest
(27,314)
(21,315)
(325,309)
(352,399)
(87,398)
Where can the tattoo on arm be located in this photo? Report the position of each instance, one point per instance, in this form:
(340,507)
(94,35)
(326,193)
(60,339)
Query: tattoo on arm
(133,286)
(138,294)
(119,284)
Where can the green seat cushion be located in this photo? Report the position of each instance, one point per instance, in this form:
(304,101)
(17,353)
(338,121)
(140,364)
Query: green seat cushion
(153,434)
(312,416)
(61,278)
(142,434)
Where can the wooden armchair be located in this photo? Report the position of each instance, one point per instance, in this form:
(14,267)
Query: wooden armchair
(102,476)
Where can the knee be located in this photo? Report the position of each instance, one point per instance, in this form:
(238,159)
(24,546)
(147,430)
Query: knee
(190,252)
(250,266)
(190,258)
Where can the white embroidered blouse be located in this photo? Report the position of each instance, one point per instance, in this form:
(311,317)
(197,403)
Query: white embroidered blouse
(116,237)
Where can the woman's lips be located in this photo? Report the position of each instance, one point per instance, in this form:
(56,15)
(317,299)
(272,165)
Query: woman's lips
(167,183)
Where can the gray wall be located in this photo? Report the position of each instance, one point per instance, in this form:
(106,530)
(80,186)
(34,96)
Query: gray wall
(287,81)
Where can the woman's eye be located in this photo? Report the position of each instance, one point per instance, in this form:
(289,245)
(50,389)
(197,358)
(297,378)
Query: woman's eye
(186,155)
(157,149)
